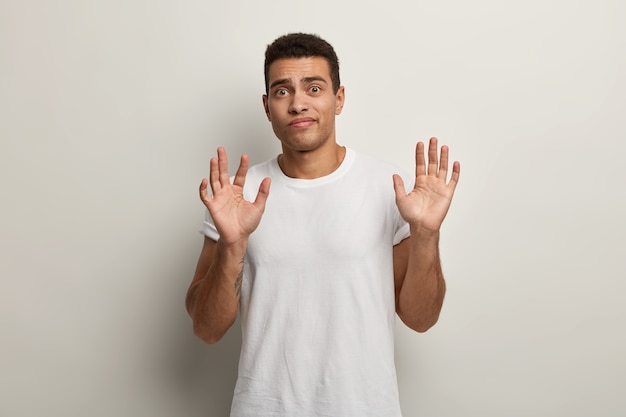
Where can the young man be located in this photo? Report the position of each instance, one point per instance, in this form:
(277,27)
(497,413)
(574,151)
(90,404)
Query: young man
(319,266)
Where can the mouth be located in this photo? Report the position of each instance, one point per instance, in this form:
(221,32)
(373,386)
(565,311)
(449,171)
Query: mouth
(302,122)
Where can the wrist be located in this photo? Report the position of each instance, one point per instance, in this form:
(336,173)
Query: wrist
(236,248)
(420,233)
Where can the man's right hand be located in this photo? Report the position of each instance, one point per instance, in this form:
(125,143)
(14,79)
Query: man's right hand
(234,217)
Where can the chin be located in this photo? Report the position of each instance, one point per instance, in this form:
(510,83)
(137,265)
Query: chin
(303,144)
(302,147)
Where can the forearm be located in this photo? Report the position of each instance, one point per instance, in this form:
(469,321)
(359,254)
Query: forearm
(213,300)
(422,292)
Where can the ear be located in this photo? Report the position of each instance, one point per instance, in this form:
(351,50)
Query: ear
(340,99)
(266,107)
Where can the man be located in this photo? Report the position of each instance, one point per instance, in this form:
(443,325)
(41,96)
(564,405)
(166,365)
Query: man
(319,266)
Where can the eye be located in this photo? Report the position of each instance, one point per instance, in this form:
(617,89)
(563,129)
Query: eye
(315,89)
(281,92)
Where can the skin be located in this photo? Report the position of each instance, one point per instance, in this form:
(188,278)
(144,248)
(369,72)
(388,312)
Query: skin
(302,107)
(419,282)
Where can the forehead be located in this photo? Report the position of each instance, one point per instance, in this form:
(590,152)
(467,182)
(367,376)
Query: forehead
(298,68)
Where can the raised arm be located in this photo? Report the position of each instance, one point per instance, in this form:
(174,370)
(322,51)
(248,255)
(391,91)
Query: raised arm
(213,295)
(419,281)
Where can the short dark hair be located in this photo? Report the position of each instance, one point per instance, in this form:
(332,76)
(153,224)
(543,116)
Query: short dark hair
(302,45)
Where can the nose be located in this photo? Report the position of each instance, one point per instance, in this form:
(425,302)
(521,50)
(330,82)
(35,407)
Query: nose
(298,103)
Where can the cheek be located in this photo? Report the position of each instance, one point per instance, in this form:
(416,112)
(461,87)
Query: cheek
(333,106)
(273,109)
(271,112)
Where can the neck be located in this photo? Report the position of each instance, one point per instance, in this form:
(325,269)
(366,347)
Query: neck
(311,164)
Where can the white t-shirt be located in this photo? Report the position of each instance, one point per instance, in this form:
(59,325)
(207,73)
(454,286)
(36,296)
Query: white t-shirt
(317,300)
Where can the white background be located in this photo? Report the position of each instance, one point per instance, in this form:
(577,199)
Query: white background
(110,111)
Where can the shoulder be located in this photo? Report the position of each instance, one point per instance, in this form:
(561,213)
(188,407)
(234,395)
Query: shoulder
(263,169)
(373,166)
(256,174)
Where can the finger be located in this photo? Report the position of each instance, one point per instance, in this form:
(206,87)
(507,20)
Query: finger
(398,186)
(214,176)
(240,176)
(222,160)
(203,191)
(432,157)
(443,163)
(420,162)
(261,197)
(456,173)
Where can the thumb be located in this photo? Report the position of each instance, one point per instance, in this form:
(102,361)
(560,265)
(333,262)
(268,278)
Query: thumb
(261,197)
(398,186)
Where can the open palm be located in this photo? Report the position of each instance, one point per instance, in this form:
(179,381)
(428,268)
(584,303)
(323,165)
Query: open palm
(234,217)
(427,204)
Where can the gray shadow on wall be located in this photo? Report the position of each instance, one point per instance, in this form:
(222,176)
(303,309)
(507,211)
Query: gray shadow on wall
(255,139)
(199,377)
(206,374)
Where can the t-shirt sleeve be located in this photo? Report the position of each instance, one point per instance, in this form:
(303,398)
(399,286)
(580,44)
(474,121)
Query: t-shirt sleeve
(402,230)
(208,228)
(402,233)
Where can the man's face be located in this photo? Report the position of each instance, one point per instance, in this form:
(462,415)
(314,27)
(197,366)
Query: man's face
(301,104)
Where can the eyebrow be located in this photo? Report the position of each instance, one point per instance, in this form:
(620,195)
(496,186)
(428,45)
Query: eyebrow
(305,80)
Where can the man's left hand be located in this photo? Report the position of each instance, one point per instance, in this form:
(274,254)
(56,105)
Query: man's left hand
(427,204)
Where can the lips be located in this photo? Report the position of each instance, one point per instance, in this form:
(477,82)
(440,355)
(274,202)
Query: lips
(302,122)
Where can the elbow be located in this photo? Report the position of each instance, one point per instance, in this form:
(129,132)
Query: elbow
(419,320)
(208,338)
(420,315)
(424,325)
(206,334)
(211,330)
(420,325)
